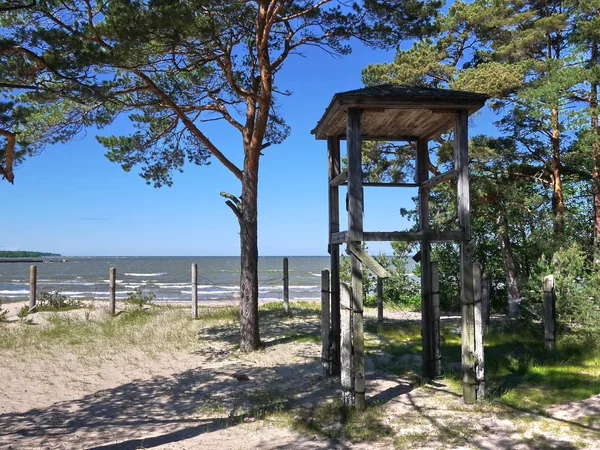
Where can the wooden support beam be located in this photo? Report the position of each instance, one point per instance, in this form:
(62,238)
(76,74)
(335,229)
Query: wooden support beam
(549,313)
(346,378)
(340,179)
(427,320)
(411,236)
(379,300)
(286,286)
(112,286)
(486,288)
(32,287)
(468,347)
(439,179)
(477,300)
(402,185)
(368,260)
(435,301)
(334,163)
(355,190)
(338,238)
(325,323)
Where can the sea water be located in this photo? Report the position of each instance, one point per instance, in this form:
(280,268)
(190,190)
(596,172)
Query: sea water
(167,277)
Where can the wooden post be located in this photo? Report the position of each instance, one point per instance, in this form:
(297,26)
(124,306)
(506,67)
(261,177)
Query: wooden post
(194,291)
(549,313)
(112,286)
(427,317)
(379,300)
(435,303)
(355,233)
(286,287)
(461,165)
(477,308)
(347,379)
(333,150)
(32,287)
(325,352)
(485,300)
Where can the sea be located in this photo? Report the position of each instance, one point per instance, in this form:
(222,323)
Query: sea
(166,277)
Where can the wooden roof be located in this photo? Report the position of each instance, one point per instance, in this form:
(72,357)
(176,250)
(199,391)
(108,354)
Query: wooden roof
(397,112)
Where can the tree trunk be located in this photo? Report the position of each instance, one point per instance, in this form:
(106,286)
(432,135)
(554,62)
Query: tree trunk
(558,200)
(510,268)
(250,339)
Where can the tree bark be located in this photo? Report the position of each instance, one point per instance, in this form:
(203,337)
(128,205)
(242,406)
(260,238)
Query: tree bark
(558,200)
(510,268)
(249,330)
(595,153)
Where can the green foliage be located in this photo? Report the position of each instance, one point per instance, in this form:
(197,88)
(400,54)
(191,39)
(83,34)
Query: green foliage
(577,286)
(23,313)
(139,299)
(24,254)
(3,312)
(55,301)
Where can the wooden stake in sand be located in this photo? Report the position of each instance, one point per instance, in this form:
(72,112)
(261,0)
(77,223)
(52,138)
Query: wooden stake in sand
(195,291)
(325,352)
(286,287)
(112,280)
(549,313)
(347,379)
(32,286)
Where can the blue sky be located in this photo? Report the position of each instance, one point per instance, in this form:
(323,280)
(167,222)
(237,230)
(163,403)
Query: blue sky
(71,200)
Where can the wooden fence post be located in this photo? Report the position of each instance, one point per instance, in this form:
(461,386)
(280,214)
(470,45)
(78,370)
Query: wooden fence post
(112,286)
(32,287)
(379,300)
(286,286)
(195,290)
(325,332)
(549,313)
(435,301)
(347,379)
(485,300)
(479,361)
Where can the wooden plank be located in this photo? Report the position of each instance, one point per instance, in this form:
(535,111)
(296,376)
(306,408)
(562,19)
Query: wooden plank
(334,163)
(402,185)
(411,236)
(439,179)
(346,378)
(112,286)
(338,238)
(435,301)
(286,286)
(368,260)
(194,291)
(427,332)
(468,347)
(477,309)
(32,287)
(325,323)
(379,300)
(355,190)
(549,313)
(340,179)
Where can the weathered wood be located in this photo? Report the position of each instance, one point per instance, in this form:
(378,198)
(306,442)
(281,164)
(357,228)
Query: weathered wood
(358,333)
(333,151)
(347,379)
(338,238)
(486,289)
(194,291)
(477,309)
(368,260)
(411,236)
(549,313)
(402,185)
(468,348)
(112,286)
(435,302)
(286,286)
(379,300)
(429,183)
(427,325)
(325,323)
(355,175)
(339,180)
(32,287)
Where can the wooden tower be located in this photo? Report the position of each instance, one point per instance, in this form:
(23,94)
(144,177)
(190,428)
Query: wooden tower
(398,113)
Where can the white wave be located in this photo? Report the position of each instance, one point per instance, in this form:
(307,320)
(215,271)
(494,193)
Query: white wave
(209,292)
(300,287)
(315,274)
(20,291)
(145,274)
(118,281)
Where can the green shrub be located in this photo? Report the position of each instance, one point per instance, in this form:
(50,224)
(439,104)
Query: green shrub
(137,298)
(23,313)
(55,301)
(3,312)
